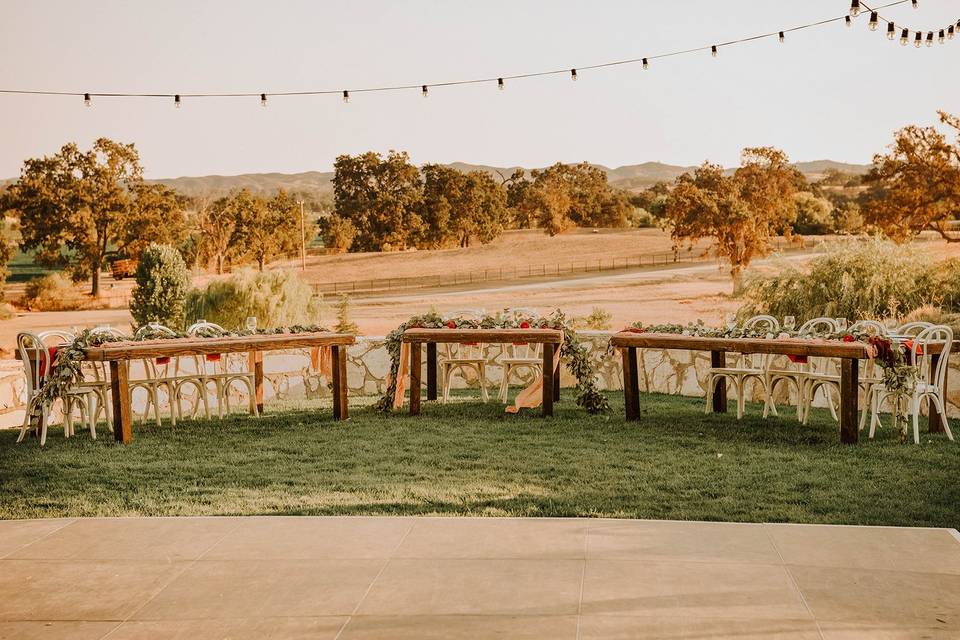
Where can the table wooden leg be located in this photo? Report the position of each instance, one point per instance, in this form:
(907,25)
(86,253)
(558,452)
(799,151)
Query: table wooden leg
(631,382)
(340,404)
(415,374)
(120,392)
(934,424)
(256,365)
(548,379)
(556,383)
(431,371)
(849,390)
(719,359)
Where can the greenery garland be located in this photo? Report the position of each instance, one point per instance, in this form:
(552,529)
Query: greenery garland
(66,372)
(893,357)
(572,351)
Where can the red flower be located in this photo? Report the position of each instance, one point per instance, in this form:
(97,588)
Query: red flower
(451,324)
(524,325)
(848,338)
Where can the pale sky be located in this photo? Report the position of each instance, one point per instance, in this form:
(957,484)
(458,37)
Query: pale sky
(829,92)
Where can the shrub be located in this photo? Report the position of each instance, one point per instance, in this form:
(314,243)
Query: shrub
(338,233)
(936,315)
(873,279)
(598,320)
(52,292)
(274,298)
(344,323)
(6,311)
(162,287)
(946,278)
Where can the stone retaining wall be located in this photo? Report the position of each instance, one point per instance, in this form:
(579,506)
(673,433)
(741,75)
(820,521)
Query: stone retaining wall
(289,376)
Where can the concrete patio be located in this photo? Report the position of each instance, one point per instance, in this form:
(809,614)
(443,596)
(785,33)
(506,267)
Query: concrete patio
(366,577)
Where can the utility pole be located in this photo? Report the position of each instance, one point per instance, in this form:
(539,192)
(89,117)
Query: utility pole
(303,240)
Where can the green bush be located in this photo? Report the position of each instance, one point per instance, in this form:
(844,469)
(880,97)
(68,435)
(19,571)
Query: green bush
(274,298)
(52,292)
(873,279)
(598,320)
(162,286)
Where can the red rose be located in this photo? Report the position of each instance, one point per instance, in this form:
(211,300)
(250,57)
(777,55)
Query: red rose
(451,325)
(848,338)
(524,325)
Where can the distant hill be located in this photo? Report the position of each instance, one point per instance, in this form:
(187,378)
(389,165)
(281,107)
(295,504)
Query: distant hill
(319,184)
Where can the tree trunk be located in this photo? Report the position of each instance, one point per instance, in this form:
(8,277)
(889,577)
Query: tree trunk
(260,263)
(736,273)
(219,264)
(95,282)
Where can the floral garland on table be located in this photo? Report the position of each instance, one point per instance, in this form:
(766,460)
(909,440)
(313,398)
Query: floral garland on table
(575,354)
(66,372)
(893,358)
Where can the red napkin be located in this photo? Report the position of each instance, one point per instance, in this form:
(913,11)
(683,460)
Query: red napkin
(798,359)
(52,354)
(213,357)
(164,360)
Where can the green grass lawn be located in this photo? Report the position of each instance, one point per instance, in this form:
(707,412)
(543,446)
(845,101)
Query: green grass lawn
(471,459)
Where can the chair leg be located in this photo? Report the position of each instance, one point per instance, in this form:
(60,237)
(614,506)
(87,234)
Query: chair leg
(505,384)
(92,413)
(44,419)
(741,385)
(914,409)
(446,374)
(482,373)
(942,410)
(711,380)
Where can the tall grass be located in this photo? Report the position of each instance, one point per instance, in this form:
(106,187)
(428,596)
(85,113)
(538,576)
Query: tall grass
(871,279)
(274,298)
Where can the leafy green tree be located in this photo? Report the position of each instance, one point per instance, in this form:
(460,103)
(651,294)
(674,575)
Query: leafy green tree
(380,197)
(214,223)
(156,215)
(6,252)
(337,233)
(740,213)
(814,215)
(457,207)
(74,203)
(916,186)
(344,323)
(162,287)
(263,228)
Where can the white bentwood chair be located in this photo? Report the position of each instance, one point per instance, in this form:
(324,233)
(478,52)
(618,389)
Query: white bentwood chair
(749,367)
(799,374)
(930,380)
(461,357)
(219,372)
(520,355)
(35,353)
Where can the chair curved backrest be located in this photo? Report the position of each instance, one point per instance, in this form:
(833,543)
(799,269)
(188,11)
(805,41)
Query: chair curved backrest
(35,355)
(818,325)
(938,335)
(153,329)
(763,322)
(204,328)
(912,328)
(872,327)
(465,351)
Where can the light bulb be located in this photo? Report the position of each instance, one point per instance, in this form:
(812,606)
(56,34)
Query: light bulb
(263,100)
(713,51)
(929,38)
(904,37)
(646,65)
(950,31)
(874,20)
(916,4)
(423,91)
(848,21)
(781,37)
(941,37)
(346,96)
(500,84)
(918,40)
(86,100)
(176,101)
(891,31)
(854,8)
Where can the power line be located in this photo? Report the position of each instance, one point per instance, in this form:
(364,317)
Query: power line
(780,34)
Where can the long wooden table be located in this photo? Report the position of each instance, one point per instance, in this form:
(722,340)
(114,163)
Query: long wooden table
(119,354)
(849,353)
(549,338)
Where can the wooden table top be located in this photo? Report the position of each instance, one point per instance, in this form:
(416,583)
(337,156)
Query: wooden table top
(782,346)
(196,346)
(548,336)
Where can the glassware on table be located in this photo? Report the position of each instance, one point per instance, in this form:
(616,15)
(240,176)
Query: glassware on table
(731,320)
(251,324)
(841,324)
(789,323)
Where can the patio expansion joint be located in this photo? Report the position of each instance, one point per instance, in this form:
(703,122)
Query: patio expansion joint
(383,568)
(793,581)
(43,537)
(583,576)
(183,568)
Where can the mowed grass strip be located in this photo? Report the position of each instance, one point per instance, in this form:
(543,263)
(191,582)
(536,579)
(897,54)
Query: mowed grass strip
(469,458)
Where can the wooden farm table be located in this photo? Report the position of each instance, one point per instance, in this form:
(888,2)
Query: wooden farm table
(850,353)
(549,338)
(119,354)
